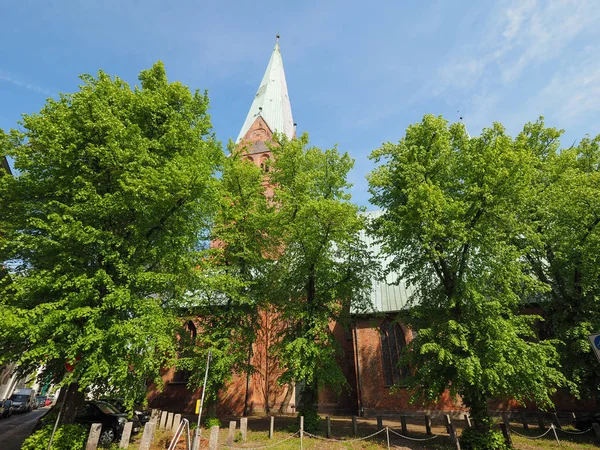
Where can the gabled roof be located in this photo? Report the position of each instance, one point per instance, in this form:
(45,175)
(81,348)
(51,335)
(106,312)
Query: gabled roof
(392,294)
(272,102)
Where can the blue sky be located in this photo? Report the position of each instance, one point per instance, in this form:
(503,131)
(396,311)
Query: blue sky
(358,72)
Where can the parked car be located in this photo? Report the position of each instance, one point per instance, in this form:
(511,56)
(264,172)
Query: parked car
(96,411)
(7,408)
(143,414)
(584,421)
(41,400)
(23,400)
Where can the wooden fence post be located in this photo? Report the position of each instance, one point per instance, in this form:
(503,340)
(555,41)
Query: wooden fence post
(428,424)
(301,432)
(506,434)
(169,424)
(163,420)
(148,435)
(379,423)
(93,437)
(176,422)
(596,428)
(447,422)
(556,421)
(213,443)
(231,433)
(244,428)
(524,421)
(272,427)
(467,421)
(403,424)
(452,432)
(328,420)
(541,424)
(354,426)
(124,443)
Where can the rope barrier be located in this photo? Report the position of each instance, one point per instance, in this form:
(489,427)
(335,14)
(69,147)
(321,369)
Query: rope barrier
(343,440)
(264,446)
(530,437)
(575,432)
(415,439)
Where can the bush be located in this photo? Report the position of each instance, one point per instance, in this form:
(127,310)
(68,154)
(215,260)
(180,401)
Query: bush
(312,420)
(212,422)
(473,439)
(67,437)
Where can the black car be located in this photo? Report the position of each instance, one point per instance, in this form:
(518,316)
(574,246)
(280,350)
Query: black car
(6,408)
(584,421)
(143,414)
(112,420)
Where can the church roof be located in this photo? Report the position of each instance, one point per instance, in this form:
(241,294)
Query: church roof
(392,294)
(272,102)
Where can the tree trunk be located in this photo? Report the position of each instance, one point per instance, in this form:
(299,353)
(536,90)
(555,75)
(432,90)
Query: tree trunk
(72,398)
(478,410)
(309,400)
(286,400)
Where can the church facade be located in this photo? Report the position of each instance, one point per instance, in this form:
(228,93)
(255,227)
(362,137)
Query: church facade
(371,346)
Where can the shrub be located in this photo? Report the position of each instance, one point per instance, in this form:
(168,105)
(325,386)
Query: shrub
(212,422)
(67,437)
(312,420)
(473,439)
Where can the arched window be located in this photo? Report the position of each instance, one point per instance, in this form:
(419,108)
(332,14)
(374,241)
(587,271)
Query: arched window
(249,158)
(392,346)
(182,376)
(265,163)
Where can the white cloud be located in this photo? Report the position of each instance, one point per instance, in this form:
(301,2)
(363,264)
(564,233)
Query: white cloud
(530,60)
(7,77)
(523,33)
(575,92)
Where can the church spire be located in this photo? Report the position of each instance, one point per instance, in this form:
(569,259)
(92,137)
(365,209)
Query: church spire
(271,102)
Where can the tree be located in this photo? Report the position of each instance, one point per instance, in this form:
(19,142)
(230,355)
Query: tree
(323,269)
(230,294)
(451,217)
(564,247)
(102,229)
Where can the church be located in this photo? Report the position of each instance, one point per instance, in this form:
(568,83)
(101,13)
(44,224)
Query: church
(371,346)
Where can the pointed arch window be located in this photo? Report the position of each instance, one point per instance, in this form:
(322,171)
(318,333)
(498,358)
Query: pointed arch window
(265,163)
(393,344)
(182,376)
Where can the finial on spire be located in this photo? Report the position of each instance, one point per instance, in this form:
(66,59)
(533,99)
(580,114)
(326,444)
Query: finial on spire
(277,36)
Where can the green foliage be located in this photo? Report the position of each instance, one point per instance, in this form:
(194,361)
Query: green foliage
(230,289)
(563,246)
(312,420)
(473,439)
(67,437)
(323,269)
(117,187)
(212,422)
(452,215)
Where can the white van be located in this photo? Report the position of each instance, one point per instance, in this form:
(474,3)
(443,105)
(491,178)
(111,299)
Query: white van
(23,399)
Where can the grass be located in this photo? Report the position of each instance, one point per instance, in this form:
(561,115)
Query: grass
(260,438)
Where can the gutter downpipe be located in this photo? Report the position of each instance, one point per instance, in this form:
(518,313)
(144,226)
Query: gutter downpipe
(358,378)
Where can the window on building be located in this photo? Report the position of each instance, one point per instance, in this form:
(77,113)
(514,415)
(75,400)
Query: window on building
(265,163)
(182,376)
(392,346)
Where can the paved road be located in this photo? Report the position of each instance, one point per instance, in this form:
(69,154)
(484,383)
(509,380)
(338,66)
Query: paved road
(15,429)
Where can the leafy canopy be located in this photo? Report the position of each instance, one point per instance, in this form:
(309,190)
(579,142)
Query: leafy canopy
(451,219)
(101,228)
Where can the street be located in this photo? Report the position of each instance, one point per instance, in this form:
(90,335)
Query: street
(15,429)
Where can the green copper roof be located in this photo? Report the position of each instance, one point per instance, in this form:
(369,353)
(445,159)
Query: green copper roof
(272,102)
(385,295)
